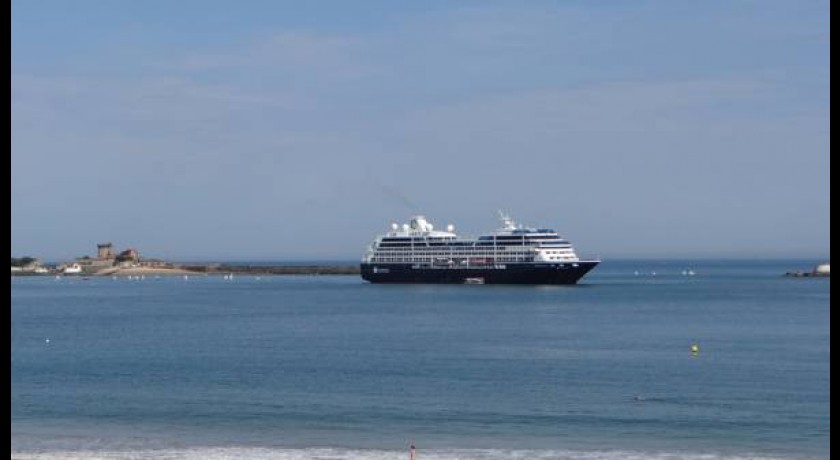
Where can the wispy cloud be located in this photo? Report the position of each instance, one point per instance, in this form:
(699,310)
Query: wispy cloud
(284,54)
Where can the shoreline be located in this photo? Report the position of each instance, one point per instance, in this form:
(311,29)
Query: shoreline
(214,269)
(221,269)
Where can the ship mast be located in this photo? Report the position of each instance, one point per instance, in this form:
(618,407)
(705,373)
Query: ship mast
(507,222)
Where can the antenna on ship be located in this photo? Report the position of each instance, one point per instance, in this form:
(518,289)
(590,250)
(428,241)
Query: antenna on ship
(508,223)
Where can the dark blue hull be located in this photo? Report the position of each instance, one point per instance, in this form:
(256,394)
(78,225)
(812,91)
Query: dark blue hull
(523,273)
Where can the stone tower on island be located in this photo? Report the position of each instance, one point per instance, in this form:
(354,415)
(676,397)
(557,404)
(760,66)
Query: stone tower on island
(105,251)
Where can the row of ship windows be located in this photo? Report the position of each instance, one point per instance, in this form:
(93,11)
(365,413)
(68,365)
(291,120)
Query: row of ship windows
(464,248)
(458,249)
(479,245)
(511,240)
(427,260)
(482,238)
(416,239)
(448,253)
(519,238)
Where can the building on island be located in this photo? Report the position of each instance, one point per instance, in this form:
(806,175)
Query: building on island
(107,257)
(129,255)
(105,251)
(28,265)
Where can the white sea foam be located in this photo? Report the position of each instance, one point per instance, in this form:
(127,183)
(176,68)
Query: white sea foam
(255,453)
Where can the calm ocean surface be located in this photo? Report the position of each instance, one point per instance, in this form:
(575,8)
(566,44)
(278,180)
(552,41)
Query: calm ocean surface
(329,367)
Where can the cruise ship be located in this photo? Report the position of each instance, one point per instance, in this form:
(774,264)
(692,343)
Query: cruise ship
(417,253)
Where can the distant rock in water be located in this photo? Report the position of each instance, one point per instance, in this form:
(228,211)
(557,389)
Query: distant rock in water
(821,270)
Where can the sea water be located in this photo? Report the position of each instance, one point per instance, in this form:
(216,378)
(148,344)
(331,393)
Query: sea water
(330,367)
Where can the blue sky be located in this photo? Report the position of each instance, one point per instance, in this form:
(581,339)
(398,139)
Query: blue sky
(299,130)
